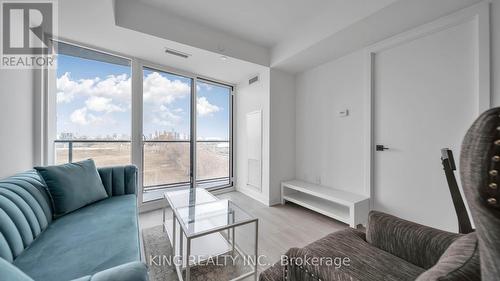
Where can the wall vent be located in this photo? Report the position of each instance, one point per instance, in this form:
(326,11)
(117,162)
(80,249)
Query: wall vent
(253,80)
(177,53)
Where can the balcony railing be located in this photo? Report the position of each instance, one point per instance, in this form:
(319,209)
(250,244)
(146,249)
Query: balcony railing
(166,163)
(71,145)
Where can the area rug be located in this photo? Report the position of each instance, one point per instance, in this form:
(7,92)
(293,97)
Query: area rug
(158,254)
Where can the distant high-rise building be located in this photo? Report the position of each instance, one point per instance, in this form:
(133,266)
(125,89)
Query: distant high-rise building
(66,136)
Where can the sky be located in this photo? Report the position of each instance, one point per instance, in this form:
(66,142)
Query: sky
(94,100)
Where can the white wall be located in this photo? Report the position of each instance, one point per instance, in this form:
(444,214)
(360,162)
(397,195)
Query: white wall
(16,121)
(251,98)
(329,148)
(274,94)
(282,131)
(495,51)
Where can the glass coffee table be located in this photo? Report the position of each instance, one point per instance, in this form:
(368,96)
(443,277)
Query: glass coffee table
(203,228)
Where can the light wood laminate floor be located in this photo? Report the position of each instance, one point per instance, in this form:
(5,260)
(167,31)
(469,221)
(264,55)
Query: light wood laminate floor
(280,227)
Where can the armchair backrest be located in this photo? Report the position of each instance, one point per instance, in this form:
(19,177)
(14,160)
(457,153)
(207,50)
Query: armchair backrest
(480,175)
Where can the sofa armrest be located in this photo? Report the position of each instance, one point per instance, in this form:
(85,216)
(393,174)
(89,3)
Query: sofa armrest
(119,180)
(9,272)
(418,244)
(339,244)
(132,271)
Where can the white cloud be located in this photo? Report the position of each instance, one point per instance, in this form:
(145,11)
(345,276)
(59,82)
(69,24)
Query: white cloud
(102,104)
(102,96)
(63,97)
(166,118)
(82,117)
(203,86)
(105,96)
(205,108)
(160,90)
(159,95)
(65,88)
(79,116)
(116,87)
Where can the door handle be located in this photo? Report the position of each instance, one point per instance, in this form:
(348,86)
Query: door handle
(380,147)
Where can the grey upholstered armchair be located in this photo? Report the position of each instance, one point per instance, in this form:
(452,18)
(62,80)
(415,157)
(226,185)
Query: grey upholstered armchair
(393,249)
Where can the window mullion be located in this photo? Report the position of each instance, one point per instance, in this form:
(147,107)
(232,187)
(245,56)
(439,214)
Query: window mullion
(193,132)
(137,116)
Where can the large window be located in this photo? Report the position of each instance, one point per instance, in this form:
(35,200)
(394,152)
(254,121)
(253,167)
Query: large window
(93,107)
(94,120)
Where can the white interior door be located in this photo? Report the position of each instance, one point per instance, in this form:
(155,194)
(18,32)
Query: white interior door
(425,98)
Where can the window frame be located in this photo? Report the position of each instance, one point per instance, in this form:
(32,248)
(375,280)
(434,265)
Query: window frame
(153,67)
(231,129)
(48,125)
(53,100)
(143,64)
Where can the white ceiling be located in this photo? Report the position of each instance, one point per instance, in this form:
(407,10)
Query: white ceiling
(394,19)
(265,32)
(267,22)
(91,23)
(291,35)
(263,22)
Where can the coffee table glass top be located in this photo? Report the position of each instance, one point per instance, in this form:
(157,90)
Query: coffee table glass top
(210,216)
(185,196)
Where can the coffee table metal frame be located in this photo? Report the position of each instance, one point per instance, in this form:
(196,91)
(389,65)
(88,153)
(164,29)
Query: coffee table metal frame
(231,239)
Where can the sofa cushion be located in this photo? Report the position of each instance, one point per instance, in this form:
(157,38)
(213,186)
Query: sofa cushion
(73,185)
(460,262)
(91,239)
(366,262)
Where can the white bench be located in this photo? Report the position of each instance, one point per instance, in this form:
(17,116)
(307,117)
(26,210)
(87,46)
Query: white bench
(338,204)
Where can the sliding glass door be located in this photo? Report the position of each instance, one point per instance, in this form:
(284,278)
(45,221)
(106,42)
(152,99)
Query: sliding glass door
(166,128)
(213,131)
(171,156)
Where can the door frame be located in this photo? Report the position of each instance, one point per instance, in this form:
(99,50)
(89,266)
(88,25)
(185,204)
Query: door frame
(478,13)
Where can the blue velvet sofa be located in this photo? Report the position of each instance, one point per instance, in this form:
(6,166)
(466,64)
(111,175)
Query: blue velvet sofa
(99,242)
